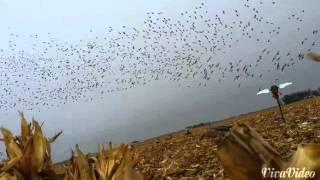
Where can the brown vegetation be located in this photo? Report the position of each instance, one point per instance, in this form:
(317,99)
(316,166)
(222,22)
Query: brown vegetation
(29,157)
(191,154)
(194,156)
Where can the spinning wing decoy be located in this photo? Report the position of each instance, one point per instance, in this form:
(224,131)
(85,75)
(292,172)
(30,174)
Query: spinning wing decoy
(265,91)
(283,85)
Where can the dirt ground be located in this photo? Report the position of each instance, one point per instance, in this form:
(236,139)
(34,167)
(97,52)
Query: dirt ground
(192,155)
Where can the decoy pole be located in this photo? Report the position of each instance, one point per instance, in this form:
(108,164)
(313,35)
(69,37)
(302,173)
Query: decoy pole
(275,92)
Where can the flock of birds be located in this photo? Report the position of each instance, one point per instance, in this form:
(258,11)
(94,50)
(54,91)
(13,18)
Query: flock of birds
(180,49)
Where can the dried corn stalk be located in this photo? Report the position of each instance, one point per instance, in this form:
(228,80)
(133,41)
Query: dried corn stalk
(114,164)
(314,57)
(29,155)
(244,153)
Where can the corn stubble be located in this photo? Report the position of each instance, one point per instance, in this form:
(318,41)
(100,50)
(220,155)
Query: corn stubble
(243,154)
(114,164)
(29,157)
(314,57)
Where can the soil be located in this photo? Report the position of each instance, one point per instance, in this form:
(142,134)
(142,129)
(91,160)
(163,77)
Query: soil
(191,154)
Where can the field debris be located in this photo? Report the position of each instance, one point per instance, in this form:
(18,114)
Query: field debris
(29,157)
(314,57)
(195,155)
(244,153)
(114,164)
(29,154)
(265,141)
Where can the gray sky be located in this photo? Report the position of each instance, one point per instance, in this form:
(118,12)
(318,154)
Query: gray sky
(160,106)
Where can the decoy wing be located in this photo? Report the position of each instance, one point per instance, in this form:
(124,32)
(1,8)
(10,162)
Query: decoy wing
(265,91)
(283,85)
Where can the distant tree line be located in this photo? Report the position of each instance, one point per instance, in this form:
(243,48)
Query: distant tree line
(298,96)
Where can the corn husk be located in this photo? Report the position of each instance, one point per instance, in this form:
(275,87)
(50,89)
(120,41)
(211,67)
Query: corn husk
(114,164)
(29,155)
(244,153)
(314,57)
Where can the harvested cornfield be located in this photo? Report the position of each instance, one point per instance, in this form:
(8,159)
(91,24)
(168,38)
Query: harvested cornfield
(193,154)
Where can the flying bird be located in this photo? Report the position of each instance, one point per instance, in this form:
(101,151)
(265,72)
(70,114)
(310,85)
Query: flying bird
(164,48)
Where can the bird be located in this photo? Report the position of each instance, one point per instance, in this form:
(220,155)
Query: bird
(181,48)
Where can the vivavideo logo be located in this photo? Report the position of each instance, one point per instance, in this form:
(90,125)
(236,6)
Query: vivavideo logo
(290,172)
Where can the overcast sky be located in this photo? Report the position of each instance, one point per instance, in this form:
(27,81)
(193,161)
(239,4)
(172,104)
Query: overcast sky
(161,106)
